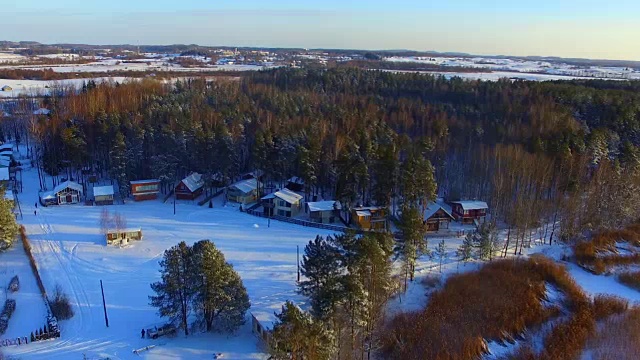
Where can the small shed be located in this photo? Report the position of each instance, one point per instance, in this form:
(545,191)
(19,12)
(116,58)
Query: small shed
(123,237)
(190,187)
(324,212)
(145,189)
(103,195)
(48,198)
(370,217)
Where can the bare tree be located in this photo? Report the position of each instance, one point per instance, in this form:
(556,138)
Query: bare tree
(105,221)
(119,222)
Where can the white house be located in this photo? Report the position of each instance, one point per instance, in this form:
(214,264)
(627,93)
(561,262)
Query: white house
(282,203)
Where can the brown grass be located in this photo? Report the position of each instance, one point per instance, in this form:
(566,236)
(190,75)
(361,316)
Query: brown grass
(607,305)
(619,338)
(599,253)
(630,278)
(497,302)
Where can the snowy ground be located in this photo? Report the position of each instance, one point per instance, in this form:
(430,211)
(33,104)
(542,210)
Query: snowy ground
(71,252)
(42,87)
(525,69)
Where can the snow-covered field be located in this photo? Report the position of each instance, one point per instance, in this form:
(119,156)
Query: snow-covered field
(523,69)
(41,87)
(71,252)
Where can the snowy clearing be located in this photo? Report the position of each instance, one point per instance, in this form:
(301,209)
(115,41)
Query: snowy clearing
(71,252)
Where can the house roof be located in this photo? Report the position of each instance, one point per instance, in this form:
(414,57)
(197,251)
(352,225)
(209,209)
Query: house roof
(5,147)
(364,212)
(288,196)
(471,205)
(103,190)
(246,186)
(6,153)
(432,208)
(67,184)
(135,182)
(296,180)
(327,205)
(47,195)
(4,174)
(193,182)
(42,111)
(4,161)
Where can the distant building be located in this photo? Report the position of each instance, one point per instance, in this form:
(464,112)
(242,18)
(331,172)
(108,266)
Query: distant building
(469,212)
(257,174)
(282,203)
(295,183)
(6,88)
(244,191)
(145,189)
(42,111)
(437,217)
(324,212)
(190,187)
(370,217)
(103,195)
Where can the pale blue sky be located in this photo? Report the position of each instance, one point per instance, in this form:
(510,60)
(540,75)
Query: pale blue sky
(570,28)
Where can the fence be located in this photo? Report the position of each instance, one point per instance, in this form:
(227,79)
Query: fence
(251,211)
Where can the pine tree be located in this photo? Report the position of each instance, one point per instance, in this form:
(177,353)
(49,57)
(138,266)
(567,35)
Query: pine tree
(118,159)
(465,251)
(322,270)
(175,292)
(297,336)
(412,243)
(220,295)
(8,225)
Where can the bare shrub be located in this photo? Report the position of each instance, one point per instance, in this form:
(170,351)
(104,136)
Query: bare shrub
(60,305)
(631,279)
(430,282)
(607,305)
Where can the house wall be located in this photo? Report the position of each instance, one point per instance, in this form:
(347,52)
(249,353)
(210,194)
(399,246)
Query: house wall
(183,192)
(324,217)
(240,197)
(460,215)
(68,196)
(104,200)
(281,208)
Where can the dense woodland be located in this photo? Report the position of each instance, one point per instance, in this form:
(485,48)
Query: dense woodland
(552,159)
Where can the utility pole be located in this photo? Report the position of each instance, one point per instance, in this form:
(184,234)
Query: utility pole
(104,305)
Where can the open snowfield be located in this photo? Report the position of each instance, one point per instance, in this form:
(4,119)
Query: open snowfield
(42,87)
(71,252)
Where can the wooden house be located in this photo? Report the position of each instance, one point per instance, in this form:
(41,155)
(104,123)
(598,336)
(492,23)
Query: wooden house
(469,212)
(243,192)
(437,217)
(256,174)
(370,217)
(103,195)
(123,237)
(295,184)
(145,189)
(282,203)
(68,192)
(324,212)
(190,187)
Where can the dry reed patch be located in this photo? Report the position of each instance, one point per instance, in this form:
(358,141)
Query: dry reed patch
(498,302)
(600,252)
(619,338)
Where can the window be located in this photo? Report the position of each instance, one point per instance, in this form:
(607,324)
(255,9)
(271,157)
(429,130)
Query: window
(142,188)
(281,213)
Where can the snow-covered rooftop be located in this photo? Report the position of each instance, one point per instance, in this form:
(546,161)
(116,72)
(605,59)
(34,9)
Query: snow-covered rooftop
(42,111)
(327,205)
(67,184)
(472,205)
(432,208)
(135,182)
(193,182)
(288,196)
(103,190)
(246,186)
(296,180)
